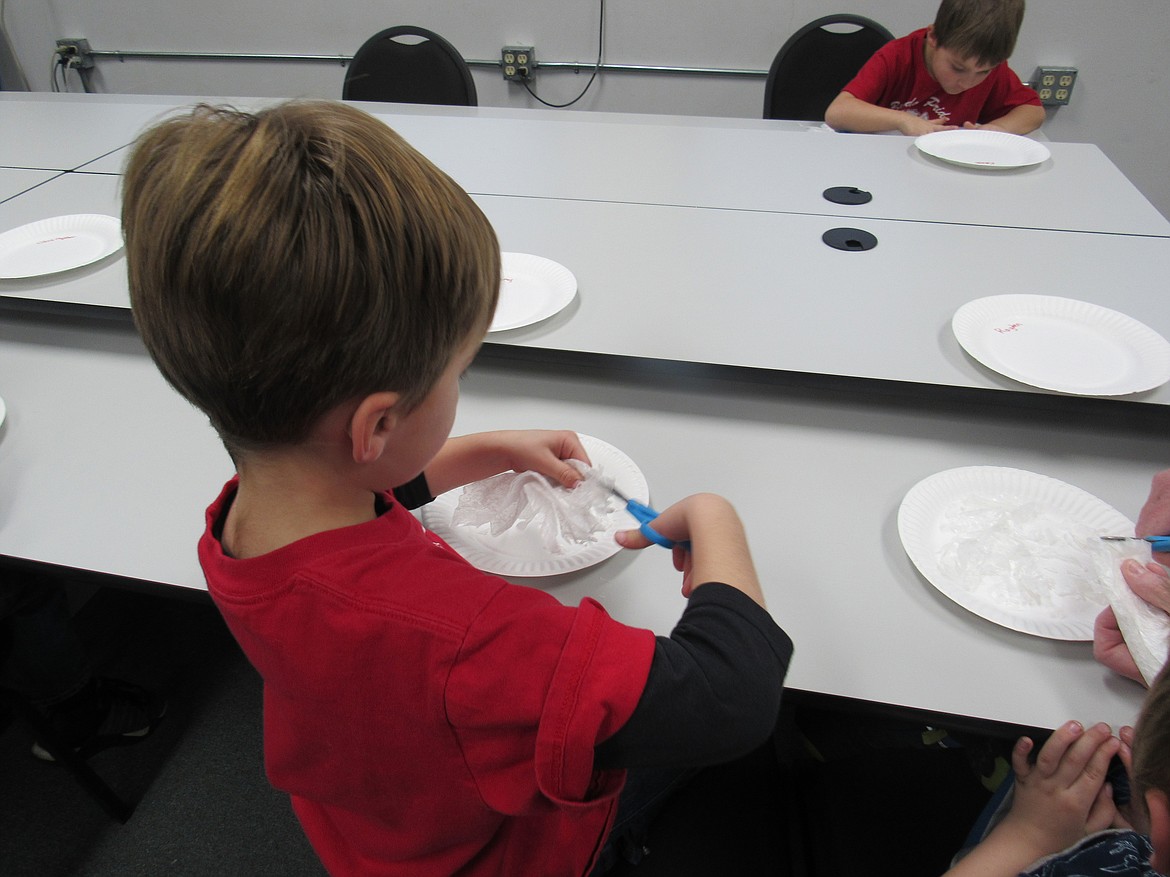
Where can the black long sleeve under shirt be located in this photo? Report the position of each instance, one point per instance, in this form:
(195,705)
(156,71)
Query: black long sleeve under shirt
(713,691)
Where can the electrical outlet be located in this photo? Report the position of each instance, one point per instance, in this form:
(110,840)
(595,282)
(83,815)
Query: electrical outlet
(518,63)
(75,53)
(1054,84)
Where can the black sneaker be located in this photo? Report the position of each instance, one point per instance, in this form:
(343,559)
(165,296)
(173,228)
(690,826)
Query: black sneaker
(107,712)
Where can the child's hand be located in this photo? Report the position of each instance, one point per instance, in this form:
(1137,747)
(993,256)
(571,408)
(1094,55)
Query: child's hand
(467,458)
(1058,801)
(719,550)
(1132,815)
(668,523)
(544,451)
(914,126)
(1063,796)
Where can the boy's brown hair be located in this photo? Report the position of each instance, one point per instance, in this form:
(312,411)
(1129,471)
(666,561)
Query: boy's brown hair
(284,262)
(982,29)
(1151,748)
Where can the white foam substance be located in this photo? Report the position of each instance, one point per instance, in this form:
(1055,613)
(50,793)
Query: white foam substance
(530,502)
(1019,553)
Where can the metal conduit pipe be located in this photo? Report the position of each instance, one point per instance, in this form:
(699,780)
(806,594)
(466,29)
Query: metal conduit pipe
(342,60)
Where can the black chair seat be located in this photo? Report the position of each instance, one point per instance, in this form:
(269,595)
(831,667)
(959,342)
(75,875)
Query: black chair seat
(424,69)
(814,65)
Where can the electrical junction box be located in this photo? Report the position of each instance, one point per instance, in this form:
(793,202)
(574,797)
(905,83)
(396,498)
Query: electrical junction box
(518,63)
(1054,85)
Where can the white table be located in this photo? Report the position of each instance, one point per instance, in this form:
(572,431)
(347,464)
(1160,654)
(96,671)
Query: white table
(14,181)
(741,288)
(740,164)
(773,166)
(762,290)
(63,131)
(720,344)
(101,286)
(105,468)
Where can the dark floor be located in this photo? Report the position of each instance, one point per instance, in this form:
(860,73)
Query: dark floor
(204,806)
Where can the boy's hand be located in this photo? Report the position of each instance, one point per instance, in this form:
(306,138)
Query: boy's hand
(467,458)
(914,126)
(1063,796)
(1058,801)
(545,451)
(719,550)
(666,524)
(1133,815)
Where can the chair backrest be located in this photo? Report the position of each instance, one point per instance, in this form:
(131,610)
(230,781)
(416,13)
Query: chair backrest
(814,64)
(424,70)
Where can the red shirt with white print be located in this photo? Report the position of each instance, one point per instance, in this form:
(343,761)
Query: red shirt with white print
(897,77)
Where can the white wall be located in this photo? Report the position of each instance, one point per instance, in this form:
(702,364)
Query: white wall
(1121,101)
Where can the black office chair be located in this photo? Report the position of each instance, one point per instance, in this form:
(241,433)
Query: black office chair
(814,65)
(426,71)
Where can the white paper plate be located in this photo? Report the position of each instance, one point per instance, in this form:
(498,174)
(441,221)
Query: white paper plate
(58,244)
(507,555)
(1063,344)
(921,526)
(533,289)
(973,147)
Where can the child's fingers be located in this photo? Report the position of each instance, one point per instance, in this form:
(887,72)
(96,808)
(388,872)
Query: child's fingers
(1055,747)
(1125,752)
(1096,765)
(1084,763)
(1103,811)
(572,449)
(1020,751)
(632,539)
(566,475)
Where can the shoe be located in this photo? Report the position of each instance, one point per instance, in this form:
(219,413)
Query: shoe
(107,712)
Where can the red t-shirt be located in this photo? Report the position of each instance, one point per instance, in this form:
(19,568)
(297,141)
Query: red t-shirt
(425,717)
(896,77)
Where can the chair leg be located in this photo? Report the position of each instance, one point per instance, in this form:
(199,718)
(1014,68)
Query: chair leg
(77,766)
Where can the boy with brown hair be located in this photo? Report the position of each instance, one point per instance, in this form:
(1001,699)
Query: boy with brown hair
(317,287)
(951,74)
(1063,820)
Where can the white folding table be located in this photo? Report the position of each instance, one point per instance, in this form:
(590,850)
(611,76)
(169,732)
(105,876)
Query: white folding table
(714,338)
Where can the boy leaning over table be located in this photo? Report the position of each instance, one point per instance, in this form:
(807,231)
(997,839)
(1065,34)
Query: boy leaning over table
(952,74)
(317,288)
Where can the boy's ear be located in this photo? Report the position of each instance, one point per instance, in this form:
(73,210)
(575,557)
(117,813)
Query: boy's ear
(1159,809)
(371,424)
(931,39)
